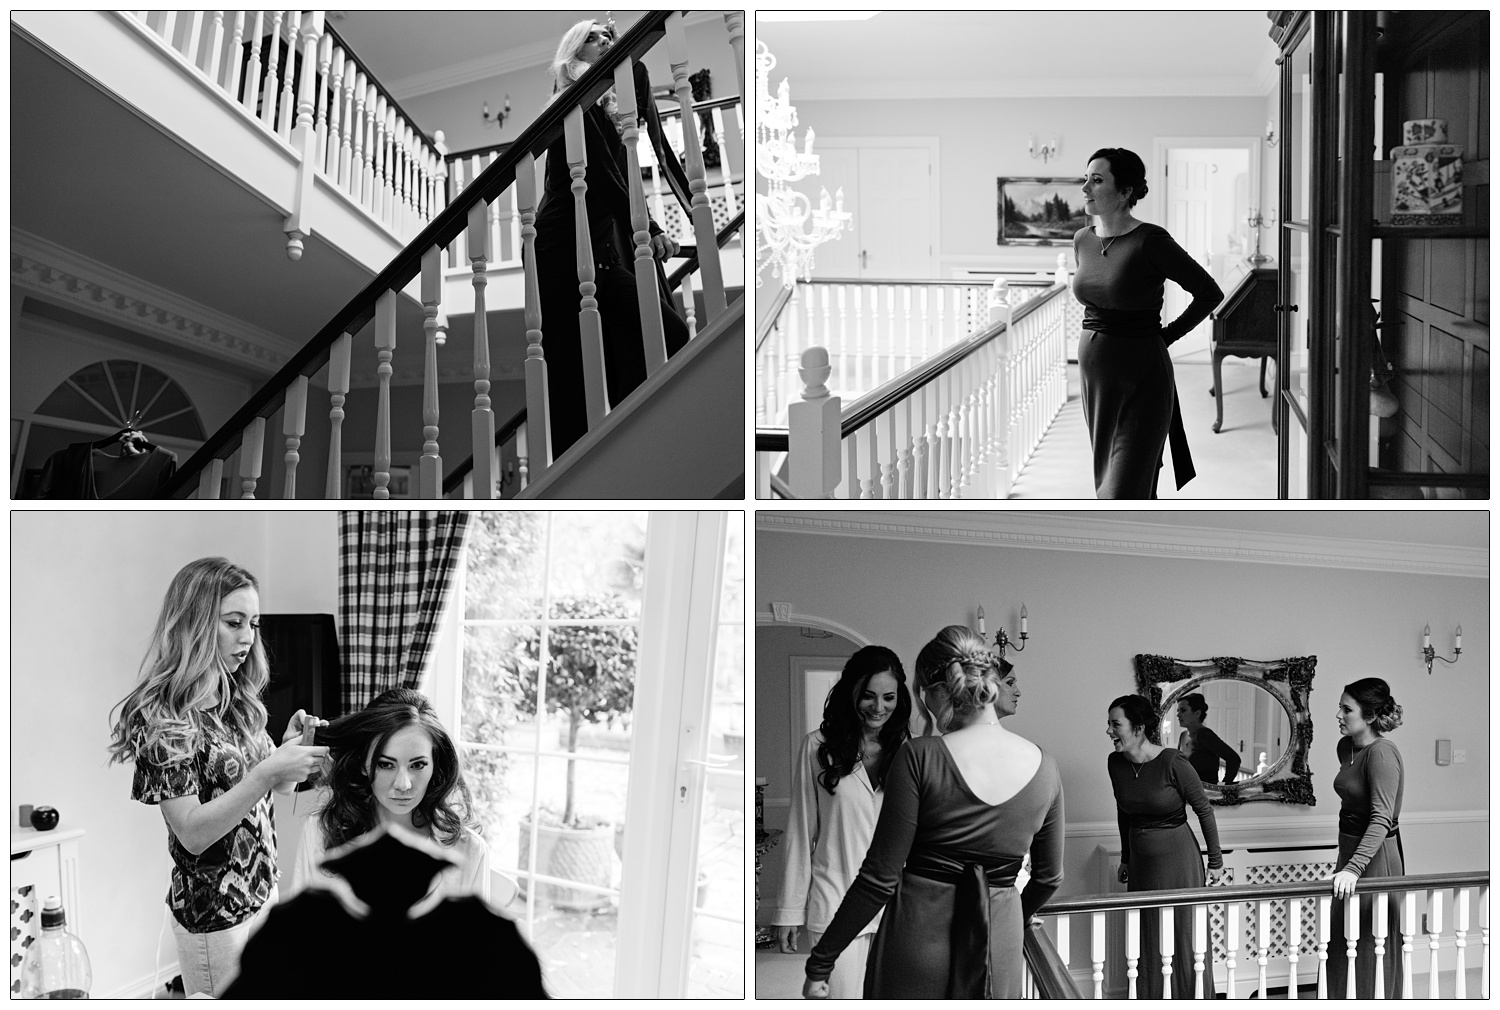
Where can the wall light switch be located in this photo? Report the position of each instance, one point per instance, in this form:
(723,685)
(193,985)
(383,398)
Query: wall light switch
(781,611)
(1460,757)
(1444,752)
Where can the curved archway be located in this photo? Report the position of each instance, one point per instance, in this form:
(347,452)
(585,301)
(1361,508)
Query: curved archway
(115,392)
(813,621)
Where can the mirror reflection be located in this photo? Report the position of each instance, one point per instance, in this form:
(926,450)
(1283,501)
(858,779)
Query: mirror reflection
(1229,730)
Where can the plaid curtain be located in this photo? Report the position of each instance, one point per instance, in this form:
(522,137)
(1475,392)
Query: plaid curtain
(395,570)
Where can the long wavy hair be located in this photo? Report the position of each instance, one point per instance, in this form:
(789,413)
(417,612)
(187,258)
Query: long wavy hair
(841,727)
(959,675)
(182,680)
(355,740)
(567,67)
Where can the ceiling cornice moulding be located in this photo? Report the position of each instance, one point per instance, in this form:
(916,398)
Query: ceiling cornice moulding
(68,278)
(812,89)
(1113,536)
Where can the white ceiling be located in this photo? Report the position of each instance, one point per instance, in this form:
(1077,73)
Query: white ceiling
(1450,529)
(1058,54)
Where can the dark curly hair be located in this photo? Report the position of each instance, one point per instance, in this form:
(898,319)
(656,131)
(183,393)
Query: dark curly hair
(1140,714)
(353,741)
(841,728)
(1376,706)
(1128,169)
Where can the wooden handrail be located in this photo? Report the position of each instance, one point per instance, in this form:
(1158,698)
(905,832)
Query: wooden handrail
(1031,281)
(1258,892)
(778,303)
(691,259)
(499,148)
(708,105)
(1052,978)
(440,232)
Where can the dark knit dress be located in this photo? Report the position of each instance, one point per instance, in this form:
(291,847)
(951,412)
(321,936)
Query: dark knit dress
(1129,396)
(942,863)
(1159,847)
(1207,749)
(1369,783)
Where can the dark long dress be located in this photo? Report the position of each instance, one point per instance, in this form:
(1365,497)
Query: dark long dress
(608,204)
(1369,783)
(1208,748)
(1159,847)
(933,842)
(1129,395)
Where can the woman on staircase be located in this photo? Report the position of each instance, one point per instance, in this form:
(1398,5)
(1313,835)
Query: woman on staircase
(608,202)
(1129,396)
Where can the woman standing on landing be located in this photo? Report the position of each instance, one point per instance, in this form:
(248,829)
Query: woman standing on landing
(1153,787)
(1129,396)
(196,730)
(961,812)
(836,795)
(1369,783)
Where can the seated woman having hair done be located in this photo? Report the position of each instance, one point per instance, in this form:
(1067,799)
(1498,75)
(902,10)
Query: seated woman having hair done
(393,763)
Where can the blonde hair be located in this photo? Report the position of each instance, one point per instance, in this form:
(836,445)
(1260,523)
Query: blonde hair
(567,68)
(959,673)
(159,719)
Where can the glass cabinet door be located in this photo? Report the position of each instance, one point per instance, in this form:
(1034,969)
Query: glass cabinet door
(1293,301)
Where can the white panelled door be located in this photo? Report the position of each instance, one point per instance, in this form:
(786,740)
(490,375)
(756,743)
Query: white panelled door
(1190,220)
(888,188)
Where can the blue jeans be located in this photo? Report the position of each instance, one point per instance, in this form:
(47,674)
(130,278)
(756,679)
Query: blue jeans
(210,961)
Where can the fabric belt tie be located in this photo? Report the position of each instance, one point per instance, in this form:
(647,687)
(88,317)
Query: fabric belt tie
(969,969)
(1356,826)
(1173,820)
(1182,458)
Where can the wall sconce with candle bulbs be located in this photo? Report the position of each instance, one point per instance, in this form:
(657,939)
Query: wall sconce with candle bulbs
(498,118)
(1002,640)
(1047,150)
(1429,654)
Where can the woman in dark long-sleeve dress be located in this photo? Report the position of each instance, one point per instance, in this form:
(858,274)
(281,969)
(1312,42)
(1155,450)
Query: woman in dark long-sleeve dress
(1153,786)
(1202,746)
(1369,783)
(608,203)
(961,812)
(1129,396)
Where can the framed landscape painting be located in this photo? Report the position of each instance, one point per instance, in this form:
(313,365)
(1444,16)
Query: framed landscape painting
(1039,211)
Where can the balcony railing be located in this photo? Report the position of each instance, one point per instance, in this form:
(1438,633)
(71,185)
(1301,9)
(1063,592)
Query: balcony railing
(1433,907)
(956,416)
(286,394)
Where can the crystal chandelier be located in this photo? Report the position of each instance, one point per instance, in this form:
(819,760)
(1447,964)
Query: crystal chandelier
(790,229)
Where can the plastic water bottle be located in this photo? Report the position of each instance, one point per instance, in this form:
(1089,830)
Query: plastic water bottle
(56,965)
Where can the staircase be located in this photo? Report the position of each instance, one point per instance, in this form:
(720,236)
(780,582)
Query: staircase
(458,290)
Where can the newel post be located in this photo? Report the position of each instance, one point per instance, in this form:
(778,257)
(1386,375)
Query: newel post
(304,138)
(813,430)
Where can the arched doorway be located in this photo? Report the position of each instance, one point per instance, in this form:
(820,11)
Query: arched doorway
(95,402)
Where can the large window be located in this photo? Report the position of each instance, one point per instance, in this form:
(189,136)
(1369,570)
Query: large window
(557,607)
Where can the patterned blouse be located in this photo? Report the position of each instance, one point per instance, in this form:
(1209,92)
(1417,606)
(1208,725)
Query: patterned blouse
(227,882)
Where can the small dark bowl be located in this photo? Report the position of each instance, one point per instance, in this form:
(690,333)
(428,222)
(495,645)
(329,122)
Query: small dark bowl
(44,818)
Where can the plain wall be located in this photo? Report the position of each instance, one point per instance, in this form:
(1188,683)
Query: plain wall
(86,589)
(980,140)
(1090,614)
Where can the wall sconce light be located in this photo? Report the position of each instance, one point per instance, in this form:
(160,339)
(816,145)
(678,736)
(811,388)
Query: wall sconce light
(1047,150)
(498,118)
(1429,654)
(1002,640)
(1270,134)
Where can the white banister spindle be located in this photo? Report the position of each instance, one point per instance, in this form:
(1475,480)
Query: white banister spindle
(734,22)
(1408,932)
(890,315)
(843,293)
(368,123)
(338,129)
(252,70)
(304,138)
(215,46)
(538,417)
(851,468)
(359,167)
(1200,953)
(252,444)
(321,125)
(1351,942)
(338,388)
(385,349)
(1262,941)
(1096,951)
(430,466)
(710,272)
(1167,946)
(942,456)
(1460,941)
(903,448)
(1378,928)
(209,480)
(194,40)
(288,99)
(906,318)
(1434,931)
(866,468)
(595,392)
(353,100)
(271,85)
(387,196)
(483,417)
(1293,943)
(813,424)
(523,456)
(236,40)
(653,334)
(861,340)
(1484,935)
(920,466)
(956,394)
(169,27)
(888,489)
(293,426)
(1132,950)
(1231,945)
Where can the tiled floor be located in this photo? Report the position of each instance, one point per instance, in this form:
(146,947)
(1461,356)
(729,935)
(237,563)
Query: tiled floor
(1238,462)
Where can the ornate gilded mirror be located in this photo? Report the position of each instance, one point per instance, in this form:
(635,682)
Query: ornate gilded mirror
(1257,717)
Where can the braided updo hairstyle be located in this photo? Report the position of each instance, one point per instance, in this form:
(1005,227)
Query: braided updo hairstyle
(959,673)
(1376,706)
(1128,169)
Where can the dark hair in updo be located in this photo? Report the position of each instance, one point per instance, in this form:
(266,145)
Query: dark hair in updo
(1376,706)
(841,728)
(1127,168)
(960,672)
(1140,714)
(1196,702)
